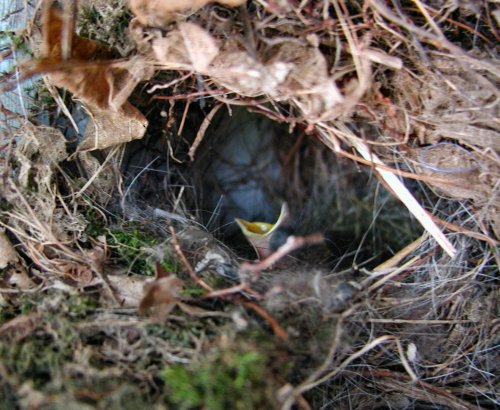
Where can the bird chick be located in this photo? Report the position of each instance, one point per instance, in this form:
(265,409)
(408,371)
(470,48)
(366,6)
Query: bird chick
(266,237)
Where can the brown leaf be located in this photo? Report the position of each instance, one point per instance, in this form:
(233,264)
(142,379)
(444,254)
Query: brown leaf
(200,45)
(19,328)
(108,128)
(56,28)
(189,47)
(7,252)
(73,271)
(160,12)
(91,75)
(105,85)
(129,289)
(161,296)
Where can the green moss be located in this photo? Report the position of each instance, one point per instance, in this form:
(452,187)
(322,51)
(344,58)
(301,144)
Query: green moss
(128,245)
(182,334)
(132,246)
(107,24)
(16,41)
(170,265)
(80,306)
(191,292)
(96,225)
(230,378)
(38,358)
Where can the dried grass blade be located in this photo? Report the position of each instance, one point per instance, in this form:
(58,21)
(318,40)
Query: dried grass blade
(406,197)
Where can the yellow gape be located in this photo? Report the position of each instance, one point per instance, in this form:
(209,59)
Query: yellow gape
(259,233)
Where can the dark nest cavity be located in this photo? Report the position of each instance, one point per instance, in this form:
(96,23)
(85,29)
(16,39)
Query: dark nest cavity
(247,166)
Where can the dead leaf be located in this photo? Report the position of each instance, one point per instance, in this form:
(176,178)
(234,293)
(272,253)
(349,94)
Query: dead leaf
(294,70)
(19,328)
(7,252)
(106,83)
(162,294)
(192,48)
(108,128)
(129,289)
(200,45)
(188,47)
(160,12)
(92,75)
(308,80)
(239,72)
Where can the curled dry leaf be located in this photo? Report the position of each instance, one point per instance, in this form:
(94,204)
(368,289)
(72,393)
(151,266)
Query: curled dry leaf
(294,71)
(189,47)
(92,75)
(129,289)
(19,328)
(239,72)
(89,73)
(201,47)
(308,81)
(162,294)
(7,252)
(160,12)
(108,128)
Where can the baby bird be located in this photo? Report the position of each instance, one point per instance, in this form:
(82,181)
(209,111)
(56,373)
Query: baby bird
(265,237)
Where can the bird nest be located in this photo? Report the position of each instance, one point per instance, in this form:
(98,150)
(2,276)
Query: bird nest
(252,204)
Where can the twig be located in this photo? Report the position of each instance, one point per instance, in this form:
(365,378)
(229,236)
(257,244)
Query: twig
(292,243)
(227,291)
(201,132)
(403,253)
(277,329)
(186,263)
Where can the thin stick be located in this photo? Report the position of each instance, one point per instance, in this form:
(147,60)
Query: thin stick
(372,345)
(186,263)
(201,132)
(292,243)
(277,329)
(226,291)
(403,253)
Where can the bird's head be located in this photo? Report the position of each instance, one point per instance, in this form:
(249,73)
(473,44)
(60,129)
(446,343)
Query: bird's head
(261,234)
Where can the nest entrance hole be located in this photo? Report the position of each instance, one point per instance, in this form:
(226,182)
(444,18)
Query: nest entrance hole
(248,165)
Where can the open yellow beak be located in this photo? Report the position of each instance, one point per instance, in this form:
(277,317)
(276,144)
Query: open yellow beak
(259,233)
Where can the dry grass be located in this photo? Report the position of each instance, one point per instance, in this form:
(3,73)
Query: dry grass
(376,103)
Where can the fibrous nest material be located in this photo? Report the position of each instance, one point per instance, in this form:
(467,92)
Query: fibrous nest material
(405,92)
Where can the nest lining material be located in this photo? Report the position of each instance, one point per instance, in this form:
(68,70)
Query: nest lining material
(397,315)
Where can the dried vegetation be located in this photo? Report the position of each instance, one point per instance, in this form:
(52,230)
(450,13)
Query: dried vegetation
(382,120)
